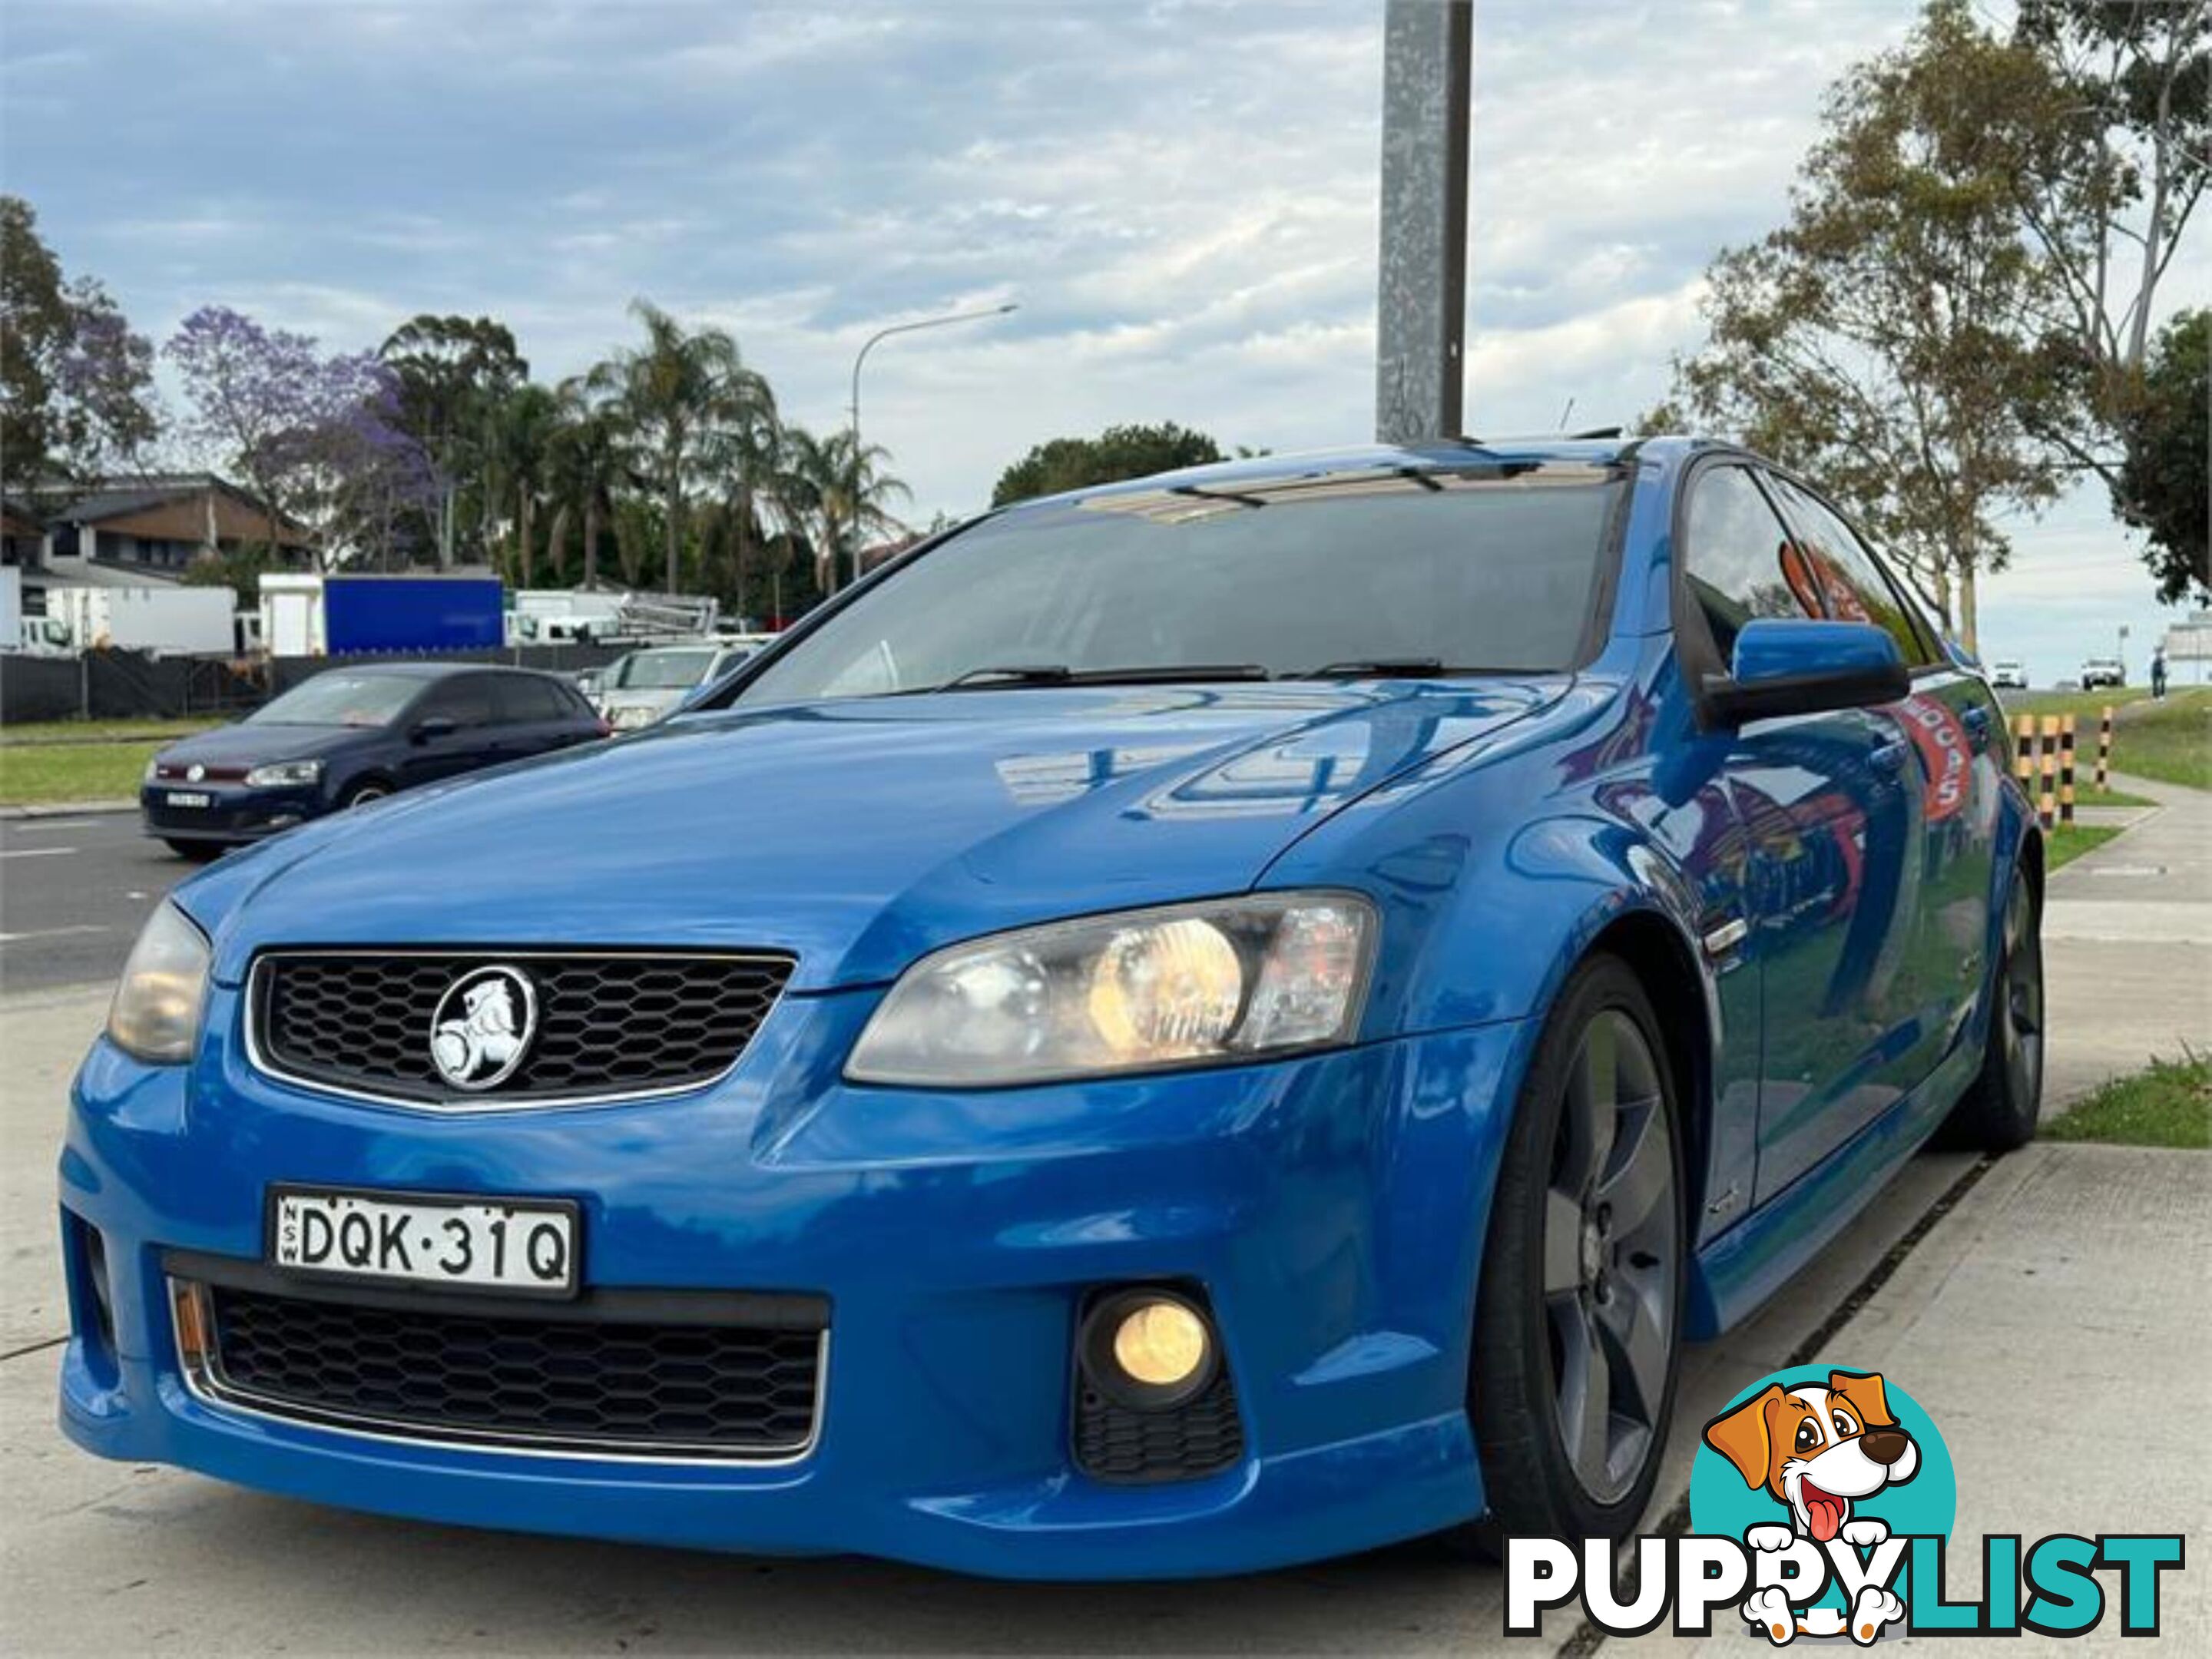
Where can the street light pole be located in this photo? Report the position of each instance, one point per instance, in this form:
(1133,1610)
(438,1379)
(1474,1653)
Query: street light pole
(861,356)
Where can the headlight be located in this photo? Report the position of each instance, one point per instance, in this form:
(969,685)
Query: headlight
(631,716)
(153,769)
(156,1011)
(1227,980)
(284,775)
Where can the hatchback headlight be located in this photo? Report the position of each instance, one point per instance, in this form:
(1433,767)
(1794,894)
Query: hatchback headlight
(284,775)
(1231,979)
(156,1013)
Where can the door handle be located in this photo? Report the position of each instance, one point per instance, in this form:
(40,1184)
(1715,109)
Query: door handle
(1977,722)
(1890,755)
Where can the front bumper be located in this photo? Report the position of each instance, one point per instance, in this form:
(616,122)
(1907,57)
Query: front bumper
(1331,1207)
(234,814)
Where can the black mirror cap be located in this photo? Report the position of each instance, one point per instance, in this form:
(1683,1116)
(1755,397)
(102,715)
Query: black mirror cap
(1729,703)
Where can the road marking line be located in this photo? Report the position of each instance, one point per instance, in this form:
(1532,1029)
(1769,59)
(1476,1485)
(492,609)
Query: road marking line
(56,932)
(36,852)
(28,826)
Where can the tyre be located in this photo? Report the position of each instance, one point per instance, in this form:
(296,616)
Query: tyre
(1578,1315)
(199,852)
(1998,1111)
(362,794)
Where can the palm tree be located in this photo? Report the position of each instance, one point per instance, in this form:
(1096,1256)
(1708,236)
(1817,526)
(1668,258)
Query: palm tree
(587,468)
(742,448)
(841,491)
(522,436)
(669,390)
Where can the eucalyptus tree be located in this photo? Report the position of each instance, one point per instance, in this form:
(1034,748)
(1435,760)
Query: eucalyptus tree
(453,374)
(1887,338)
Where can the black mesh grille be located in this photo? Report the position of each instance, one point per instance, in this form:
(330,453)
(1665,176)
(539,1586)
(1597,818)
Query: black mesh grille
(1115,1443)
(620,1385)
(607,1024)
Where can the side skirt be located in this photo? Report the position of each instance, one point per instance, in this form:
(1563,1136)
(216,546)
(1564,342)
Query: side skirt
(1738,1271)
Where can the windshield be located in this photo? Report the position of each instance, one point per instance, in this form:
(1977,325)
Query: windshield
(338,698)
(1488,569)
(664,671)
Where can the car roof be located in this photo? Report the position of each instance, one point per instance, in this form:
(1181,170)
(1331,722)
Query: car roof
(430,670)
(1370,458)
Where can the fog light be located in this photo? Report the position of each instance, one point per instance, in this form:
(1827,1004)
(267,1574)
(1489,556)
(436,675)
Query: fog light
(1149,1349)
(1161,1344)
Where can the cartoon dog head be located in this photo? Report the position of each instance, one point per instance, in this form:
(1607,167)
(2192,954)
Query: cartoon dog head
(1816,1448)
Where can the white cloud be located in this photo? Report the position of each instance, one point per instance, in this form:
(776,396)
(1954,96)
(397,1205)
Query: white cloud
(1180,193)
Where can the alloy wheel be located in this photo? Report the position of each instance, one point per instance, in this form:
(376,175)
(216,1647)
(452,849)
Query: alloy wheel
(1611,1250)
(2022,1010)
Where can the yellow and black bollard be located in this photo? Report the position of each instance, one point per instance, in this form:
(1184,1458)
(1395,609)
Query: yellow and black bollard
(2046,803)
(2105,749)
(2066,770)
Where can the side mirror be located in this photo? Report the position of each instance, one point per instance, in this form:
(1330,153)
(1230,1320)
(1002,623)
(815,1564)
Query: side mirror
(432,726)
(1788,667)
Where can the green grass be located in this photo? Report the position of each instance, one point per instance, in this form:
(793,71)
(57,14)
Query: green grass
(2168,1105)
(43,732)
(2087,794)
(2170,740)
(41,772)
(2066,843)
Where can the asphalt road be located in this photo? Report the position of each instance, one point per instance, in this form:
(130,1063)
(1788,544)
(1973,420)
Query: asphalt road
(74,892)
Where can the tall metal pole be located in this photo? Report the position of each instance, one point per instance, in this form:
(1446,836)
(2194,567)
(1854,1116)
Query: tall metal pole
(861,356)
(1428,74)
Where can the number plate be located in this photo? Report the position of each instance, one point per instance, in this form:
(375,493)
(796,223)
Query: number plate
(190,798)
(514,1245)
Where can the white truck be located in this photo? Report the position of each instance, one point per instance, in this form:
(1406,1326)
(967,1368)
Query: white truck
(559,616)
(173,621)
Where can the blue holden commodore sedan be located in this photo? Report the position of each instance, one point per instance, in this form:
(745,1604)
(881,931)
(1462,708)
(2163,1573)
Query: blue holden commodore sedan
(1193,1025)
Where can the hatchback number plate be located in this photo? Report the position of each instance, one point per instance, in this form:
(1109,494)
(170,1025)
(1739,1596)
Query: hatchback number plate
(190,798)
(514,1245)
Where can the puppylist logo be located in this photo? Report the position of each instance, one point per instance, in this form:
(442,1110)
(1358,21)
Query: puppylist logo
(1821,1504)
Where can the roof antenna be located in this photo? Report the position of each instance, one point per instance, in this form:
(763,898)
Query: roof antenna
(1565,414)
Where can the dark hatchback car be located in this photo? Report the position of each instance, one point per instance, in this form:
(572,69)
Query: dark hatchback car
(352,735)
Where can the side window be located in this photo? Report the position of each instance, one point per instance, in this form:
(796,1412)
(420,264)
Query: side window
(1736,558)
(524,702)
(1853,585)
(466,701)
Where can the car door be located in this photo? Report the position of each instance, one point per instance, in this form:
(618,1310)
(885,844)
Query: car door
(465,702)
(1830,819)
(533,717)
(1950,720)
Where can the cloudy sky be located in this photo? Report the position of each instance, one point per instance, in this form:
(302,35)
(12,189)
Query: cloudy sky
(1180,195)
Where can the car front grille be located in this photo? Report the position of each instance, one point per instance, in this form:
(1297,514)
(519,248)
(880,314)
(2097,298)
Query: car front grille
(608,1025)
(651,1380)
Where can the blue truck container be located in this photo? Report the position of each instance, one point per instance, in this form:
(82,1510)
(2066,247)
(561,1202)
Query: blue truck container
(413,613)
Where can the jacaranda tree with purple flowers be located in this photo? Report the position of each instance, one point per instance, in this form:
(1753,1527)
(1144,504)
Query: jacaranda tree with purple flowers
(313,436)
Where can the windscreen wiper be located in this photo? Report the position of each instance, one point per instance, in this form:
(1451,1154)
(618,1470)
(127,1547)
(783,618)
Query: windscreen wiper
(1015,675)
(1380,668)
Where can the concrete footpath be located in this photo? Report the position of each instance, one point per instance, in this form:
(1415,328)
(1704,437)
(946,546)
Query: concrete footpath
(2127,932)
